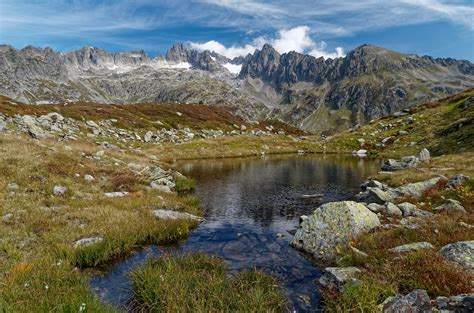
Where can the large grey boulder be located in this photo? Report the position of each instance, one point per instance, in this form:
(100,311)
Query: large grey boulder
(461,252)
(333,225)
(423,155)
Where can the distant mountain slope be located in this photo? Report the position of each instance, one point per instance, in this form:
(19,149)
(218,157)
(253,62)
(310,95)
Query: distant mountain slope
(322,96)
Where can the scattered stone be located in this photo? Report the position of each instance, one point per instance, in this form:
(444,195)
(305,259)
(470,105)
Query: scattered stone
(372,183)
(87,241)
(359,252)
(336,277)
(451,206)
(280,235)
(92,124)
(416,301)
(423,155)
(160,187)
(361,152)
(466,225)
(174,215)
(89,178)
(392,209)
(333,225)
(59,190)
(116,194)
(461,252)
(417,246)
(148,136)
(457,181)
(13,187)
(7,217)
(411,222)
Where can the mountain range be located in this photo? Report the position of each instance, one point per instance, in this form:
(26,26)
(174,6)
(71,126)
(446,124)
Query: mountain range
(318,95)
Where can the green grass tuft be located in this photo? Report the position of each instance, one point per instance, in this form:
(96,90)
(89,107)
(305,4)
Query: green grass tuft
(199,283)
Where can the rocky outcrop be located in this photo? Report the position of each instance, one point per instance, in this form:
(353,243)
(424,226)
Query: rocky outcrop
(392,165)
(332,226)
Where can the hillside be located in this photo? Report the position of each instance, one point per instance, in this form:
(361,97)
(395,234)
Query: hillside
(444,127)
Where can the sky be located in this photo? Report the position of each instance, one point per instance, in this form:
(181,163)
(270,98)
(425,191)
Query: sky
(327,28)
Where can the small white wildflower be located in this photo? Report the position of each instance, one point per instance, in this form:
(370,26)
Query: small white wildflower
(46,286)
(27,285)
(59,263)
(162,278)
(82,307)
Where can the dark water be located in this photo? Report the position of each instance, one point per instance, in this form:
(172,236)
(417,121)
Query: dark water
(250,204)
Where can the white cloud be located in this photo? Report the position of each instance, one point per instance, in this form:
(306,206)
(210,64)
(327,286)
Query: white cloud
(233,68)
(294,39)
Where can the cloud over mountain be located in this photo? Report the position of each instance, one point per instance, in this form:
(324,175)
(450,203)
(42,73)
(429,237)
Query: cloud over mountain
(293,39)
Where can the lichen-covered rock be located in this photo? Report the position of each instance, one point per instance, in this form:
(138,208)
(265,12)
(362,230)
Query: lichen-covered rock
(84,242)
(458,304)
(392,209)
(423,155)
(416,246)
(461,252)
(333,225)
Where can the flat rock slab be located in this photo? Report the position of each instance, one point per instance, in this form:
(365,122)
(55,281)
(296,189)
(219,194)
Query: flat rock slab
(174,215)
(335,277)
(416,246)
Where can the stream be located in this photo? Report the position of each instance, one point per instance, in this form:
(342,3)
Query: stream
(251,206)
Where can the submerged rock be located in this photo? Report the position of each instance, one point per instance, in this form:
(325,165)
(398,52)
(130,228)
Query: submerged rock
(333,225)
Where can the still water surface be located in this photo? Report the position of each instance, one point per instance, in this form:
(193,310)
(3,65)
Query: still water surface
(251,206)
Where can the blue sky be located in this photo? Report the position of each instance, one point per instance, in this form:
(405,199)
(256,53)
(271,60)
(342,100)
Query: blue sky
(329,28)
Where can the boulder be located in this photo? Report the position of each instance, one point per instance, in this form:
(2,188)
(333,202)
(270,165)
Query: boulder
(392,165)
(336,277)
(88,178)
(373,183)
(416,246)
(416,301)
(458,304)
(333,225)
(148,136)
(174,215)
(92,124)
(461,252)
(451,206)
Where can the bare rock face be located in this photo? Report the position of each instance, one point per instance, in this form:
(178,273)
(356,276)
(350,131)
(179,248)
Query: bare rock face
(332,226)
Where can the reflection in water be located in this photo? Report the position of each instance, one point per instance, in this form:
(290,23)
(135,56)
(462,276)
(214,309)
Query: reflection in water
(247,202)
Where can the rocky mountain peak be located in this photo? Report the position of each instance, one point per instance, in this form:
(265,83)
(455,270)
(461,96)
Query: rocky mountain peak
(178,53)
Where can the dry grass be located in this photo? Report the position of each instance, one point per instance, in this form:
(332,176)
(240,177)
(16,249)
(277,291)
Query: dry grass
(43,227)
